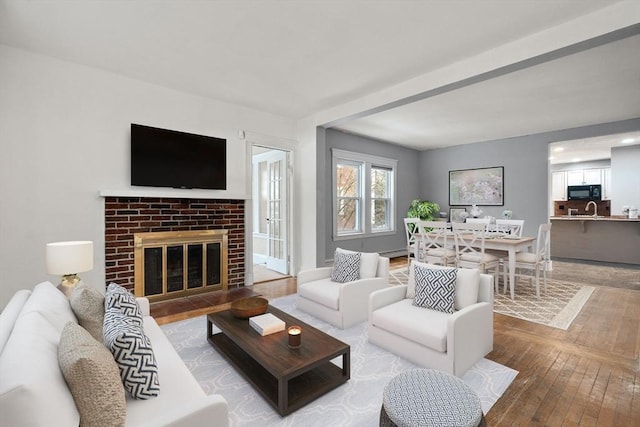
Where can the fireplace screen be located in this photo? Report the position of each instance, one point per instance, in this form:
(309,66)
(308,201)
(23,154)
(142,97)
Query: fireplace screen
(178,263)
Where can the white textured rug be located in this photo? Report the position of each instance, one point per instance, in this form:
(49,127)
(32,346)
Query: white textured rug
(356,403)
(557,307)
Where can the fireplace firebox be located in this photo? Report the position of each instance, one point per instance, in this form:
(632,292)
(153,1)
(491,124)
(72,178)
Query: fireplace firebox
(179,263)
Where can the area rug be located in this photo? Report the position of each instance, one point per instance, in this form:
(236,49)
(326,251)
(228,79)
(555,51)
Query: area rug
(356,403)
(557,307)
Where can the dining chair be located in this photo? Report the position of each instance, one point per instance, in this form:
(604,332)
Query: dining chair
(434,248)
(512,227)
(536,261)
(470,253)
(486,221)
(411,230)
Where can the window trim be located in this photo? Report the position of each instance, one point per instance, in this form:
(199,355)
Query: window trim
(367,161)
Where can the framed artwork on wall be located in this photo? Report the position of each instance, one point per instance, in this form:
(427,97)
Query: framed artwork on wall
(457,214)
(482,187)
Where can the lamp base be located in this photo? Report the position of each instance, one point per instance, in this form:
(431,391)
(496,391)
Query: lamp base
(67,283)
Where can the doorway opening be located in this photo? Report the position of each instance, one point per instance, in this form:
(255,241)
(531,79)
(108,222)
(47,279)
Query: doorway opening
(271,204)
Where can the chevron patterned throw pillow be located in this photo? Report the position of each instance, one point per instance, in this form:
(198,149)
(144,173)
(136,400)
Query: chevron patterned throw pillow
(346,267)
(133,354)
(435,289)
(124,301)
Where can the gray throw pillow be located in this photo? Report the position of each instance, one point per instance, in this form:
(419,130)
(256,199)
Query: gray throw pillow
(435,289)
(87,304)
(93,378)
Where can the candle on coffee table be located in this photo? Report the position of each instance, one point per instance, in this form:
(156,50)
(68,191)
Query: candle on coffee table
(295,336)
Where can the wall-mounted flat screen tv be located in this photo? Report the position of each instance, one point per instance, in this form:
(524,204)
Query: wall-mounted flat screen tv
(168,158)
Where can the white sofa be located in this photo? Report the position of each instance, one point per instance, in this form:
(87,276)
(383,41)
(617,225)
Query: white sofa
(342,304)
(33,391)
(430,338)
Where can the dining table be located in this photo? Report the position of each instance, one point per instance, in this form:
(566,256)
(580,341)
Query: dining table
(506,243)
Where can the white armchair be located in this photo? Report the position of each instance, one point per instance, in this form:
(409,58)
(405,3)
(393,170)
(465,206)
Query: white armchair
(435,339)
(342,304)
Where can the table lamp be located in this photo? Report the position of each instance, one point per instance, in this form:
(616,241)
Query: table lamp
(68,259)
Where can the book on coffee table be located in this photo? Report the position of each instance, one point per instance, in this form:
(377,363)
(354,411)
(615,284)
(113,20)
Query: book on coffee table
(266,324)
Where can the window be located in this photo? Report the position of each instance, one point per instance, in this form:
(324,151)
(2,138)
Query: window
(364,194)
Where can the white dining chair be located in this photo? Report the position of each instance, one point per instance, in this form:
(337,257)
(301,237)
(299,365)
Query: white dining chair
(536,261)
(470,253)
(512,227)
(411,230)
(434,247)
(486,221)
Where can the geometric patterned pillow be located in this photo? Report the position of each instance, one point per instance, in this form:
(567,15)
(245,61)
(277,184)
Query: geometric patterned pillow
(346,267)
(119,298)
(133,354)
(435,289)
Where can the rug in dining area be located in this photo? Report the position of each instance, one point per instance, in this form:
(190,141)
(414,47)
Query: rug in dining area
(354,404)
(557,307)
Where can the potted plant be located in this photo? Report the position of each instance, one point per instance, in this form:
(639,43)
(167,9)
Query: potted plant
(423,209)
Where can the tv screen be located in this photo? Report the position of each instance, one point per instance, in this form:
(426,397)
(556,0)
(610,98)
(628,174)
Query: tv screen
(168,158)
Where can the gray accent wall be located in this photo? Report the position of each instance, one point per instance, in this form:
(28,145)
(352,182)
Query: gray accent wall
(408,188)
(525,161)
(425,175)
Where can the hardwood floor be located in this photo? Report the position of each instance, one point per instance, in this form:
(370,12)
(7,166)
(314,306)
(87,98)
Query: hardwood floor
(588,375)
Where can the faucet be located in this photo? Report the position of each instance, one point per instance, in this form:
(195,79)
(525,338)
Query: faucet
(595,208)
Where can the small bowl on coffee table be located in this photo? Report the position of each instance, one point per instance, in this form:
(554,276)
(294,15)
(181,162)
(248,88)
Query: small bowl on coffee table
(249,307)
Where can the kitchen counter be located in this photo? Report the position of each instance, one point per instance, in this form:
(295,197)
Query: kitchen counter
(609,239)
(621,218)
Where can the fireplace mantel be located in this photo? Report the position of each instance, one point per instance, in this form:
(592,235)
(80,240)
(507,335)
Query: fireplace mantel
(174,193)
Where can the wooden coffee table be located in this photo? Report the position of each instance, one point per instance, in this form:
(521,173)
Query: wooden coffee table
(287,378)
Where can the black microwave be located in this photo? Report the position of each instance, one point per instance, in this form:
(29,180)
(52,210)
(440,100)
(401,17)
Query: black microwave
(584,192)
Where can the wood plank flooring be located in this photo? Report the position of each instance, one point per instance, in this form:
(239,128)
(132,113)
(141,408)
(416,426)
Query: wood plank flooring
(588,375)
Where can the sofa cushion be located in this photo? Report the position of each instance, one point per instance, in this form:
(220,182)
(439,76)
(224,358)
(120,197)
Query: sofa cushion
(93,378)
(119,298)
(368,262)
(425,327)
(179,387)
(324,291)
(10,313)
(132,351)
(47,300)
(346,267)
(87,304)
(33,391)
(467,284)
(435,288)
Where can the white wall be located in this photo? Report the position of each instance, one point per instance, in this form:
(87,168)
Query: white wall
(64,134)
(625,178)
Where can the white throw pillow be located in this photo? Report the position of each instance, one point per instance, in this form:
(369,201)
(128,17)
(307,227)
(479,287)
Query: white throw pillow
(368,262)
(467,284)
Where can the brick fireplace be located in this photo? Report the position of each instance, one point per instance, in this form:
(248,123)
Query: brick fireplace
(126,216)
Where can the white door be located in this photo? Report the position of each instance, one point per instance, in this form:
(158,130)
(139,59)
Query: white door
(271,207)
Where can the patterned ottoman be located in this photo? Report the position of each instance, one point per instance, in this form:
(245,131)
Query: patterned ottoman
(427,397)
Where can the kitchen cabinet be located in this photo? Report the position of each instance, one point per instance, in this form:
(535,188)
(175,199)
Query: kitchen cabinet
(561,179)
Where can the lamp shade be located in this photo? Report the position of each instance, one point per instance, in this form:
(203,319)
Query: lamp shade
(65,258)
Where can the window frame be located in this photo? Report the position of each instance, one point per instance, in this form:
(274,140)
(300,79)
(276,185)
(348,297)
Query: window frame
(366,163)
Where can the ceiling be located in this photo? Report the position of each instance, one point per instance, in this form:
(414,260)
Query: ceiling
(589,149)
(295,59)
